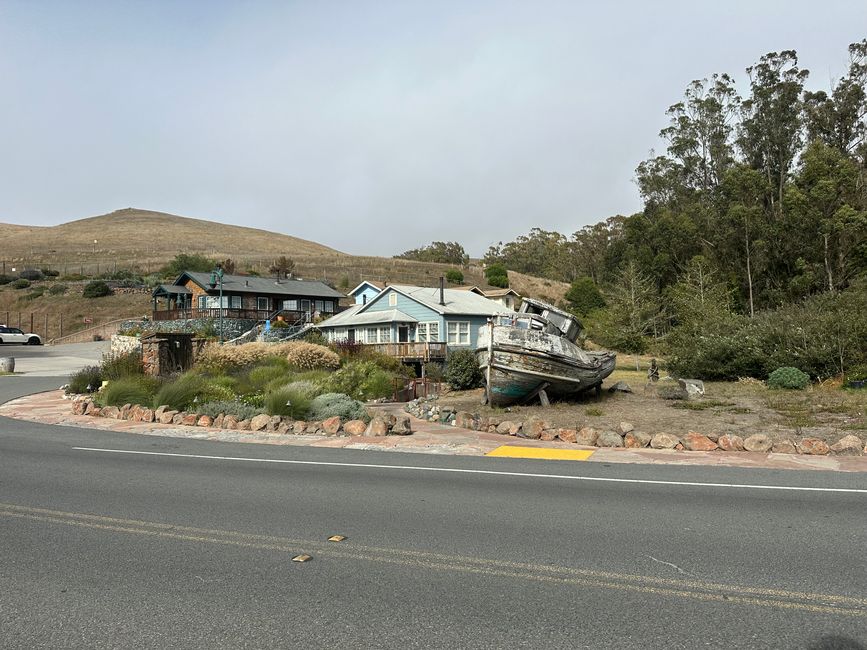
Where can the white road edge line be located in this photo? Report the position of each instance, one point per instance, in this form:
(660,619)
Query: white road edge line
(478,471)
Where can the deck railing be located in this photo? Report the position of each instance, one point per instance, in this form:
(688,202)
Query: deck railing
(245,314)
(411,351)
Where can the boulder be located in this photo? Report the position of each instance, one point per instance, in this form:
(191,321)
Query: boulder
(190,419)
(694,441)
(205,421)
(586,436)
(620,387)
(259,422)
(377,427)
(784,447)
(285,427)
(402,426)
(548,435)
(694,388)
(179,417)
(355,427)
(813,447)
(664,441)
(636,439)
(124,412)
(515,428)
(504,427)
(609,439)
(848,446)
(165,416)
(331,426)
(110,412)
(533,428)
(758,442)
(299,426)
(230,422)
(730,442)
(147,415)
(134,413)
(713,436)
(313,427)
(218,421)
(273,423)
(90,408)
(567,435)
(465,420)
(158,413)
(78,407)
(625,427)
(243,425)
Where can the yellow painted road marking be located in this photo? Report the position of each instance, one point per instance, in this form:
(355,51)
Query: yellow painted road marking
(514,451)
(689,589)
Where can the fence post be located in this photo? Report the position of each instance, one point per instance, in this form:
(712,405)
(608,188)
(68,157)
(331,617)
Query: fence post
(61,326)
(45,335)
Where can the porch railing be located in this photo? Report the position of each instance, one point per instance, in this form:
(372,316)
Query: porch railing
(411,351)
(245,314)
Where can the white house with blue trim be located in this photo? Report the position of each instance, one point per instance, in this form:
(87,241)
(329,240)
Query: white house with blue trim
(409,314)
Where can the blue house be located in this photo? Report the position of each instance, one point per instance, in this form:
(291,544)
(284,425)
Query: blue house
(364,292)
(415,323)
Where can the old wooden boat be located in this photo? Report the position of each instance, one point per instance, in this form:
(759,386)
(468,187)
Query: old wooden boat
(533,353)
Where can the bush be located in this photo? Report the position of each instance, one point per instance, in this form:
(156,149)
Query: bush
(462,370)
(5,279)
(129,390)
(33,295)
(279,325)
(228,357)
(120,366)
(361,380)
(31,274)
(497,275)
(20,283)
(96,289)
(48,273)
(584,296)
(454,276)
(288,401)
(58,289)
(86,380)
(788,377)
(188,390)
(228,407)
(260,376)
(434,371)
(343,406)
(309,356)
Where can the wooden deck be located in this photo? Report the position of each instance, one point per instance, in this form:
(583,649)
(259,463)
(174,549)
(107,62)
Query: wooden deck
(411,351)
(245,314)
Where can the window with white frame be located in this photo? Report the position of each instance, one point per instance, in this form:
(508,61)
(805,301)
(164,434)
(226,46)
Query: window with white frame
(329,307)
(290,305)
(319,306)
(392,299)
(213,302)
(262,303)
(385,334)
(235,302)
(370,335)
(459,333)
(428,332)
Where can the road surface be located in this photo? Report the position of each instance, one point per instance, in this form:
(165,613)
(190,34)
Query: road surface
(116,540)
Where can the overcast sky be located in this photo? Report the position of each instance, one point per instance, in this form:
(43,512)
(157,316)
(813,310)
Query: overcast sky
(371,127)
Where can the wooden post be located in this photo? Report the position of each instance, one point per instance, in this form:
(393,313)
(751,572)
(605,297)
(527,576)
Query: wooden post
(31,321)
(490,360)
(61,326)
(45,335)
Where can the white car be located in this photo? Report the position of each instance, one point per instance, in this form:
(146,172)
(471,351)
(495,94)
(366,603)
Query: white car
(15,335)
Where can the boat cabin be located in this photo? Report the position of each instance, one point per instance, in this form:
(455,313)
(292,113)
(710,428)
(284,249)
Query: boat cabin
(569,326)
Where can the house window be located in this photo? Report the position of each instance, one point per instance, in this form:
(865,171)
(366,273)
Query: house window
(385,335)
(320,306)
(459,333)
(392,299)
(290,305)
(262,303)
(428,332)
(203,302)
(235,302)
(329,307)
(371,335)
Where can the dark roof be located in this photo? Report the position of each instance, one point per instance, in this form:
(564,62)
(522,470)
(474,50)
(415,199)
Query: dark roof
(253,284)
(165,289)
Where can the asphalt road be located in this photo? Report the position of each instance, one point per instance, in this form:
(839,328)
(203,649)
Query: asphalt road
(186,543)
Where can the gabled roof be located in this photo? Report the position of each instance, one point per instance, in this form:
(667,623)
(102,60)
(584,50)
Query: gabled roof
(362,284)
(465,303)
(473,288)
(253,284)
(166,289)
(498,293)
(352,318)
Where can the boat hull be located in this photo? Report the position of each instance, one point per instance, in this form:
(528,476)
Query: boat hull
(520,362)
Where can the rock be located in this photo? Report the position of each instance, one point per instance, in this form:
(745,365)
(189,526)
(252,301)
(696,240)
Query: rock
(586,436)
(178,418)
(134,413)
(813,447)
(331,426)
(784,447)
(377,427)
(758,442)
(533,428)
(355,427)
(669,391)
(189,419)
(713,436)
(625,427)
(273,423)
(694,388)
(465,420)
(402,427)
(679,446)
(620,387)
(567,435)
(694,441)
(243,425)
(390,419)
(205,421)
(298,427)
(848,446)
(505,426)
(259,422)
(548,435)
(124,412)
(166,416)
(285,427)
(636,439)
(313,427)
(90,408)
(218,421)
(230,422)
(78,407)
(147,415)
(730,442)
(609,439)
(158,414)
(664,441)
(110,412)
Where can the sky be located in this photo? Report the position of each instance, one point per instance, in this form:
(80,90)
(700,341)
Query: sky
(371,127)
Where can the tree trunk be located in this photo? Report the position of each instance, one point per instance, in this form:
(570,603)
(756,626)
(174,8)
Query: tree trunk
(749,276)
(828,265)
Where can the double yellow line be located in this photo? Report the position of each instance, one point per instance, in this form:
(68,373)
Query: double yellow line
(667,587)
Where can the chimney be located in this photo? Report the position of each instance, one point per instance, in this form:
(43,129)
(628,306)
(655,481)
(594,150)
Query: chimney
(246,283)
(442,290)
(364,299)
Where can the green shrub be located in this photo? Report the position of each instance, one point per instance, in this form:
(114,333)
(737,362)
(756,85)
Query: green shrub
(96,289)
(462,370)
(788,377)
(857,373)
(279,325)
(190,389)
(58,289)
(497,275)
(119,366)
(48,273)
(86,380)
(361,380)
(584,296)
(288,401)
(20,283)
(5,279)
(129,390)
(259,377)
(434,371)
(330,405)
(454,276)
(33,295)
(228,407)
(31,274)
